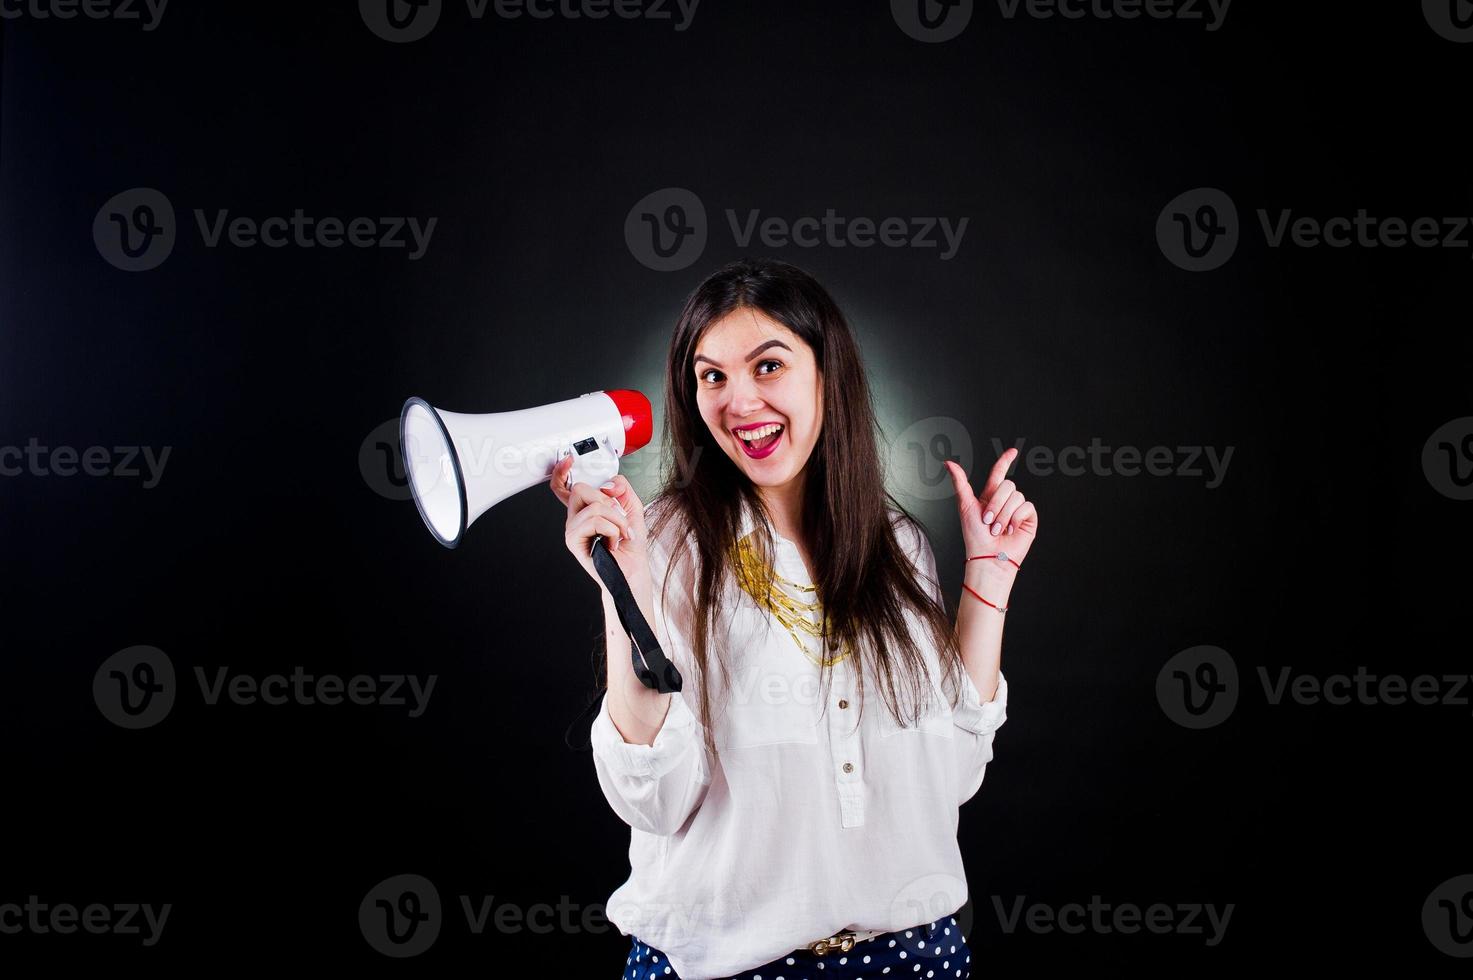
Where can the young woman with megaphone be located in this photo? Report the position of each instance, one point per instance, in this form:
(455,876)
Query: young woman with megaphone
(791,813)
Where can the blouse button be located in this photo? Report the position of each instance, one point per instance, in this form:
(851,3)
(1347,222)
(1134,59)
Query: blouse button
(848,767)
(843,703)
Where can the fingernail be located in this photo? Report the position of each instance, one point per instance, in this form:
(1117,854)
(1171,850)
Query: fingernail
(606,486)
(996,527)
(987,517)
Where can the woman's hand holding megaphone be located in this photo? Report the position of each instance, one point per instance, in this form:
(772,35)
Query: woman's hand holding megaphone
(615,512)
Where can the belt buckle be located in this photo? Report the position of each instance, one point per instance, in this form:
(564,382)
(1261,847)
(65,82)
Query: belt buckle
(842,940)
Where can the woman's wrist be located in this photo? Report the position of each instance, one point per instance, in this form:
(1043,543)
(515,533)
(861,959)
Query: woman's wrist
(992,579)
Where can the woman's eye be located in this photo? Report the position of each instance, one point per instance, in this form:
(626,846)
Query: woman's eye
(706,374)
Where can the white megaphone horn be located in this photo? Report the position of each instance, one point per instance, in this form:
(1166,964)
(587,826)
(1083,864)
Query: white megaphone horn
(460,465)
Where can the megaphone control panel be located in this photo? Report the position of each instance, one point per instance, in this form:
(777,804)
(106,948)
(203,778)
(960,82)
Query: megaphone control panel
(596,463)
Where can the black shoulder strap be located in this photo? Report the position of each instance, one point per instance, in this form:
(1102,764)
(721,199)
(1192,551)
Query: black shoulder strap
(651,666)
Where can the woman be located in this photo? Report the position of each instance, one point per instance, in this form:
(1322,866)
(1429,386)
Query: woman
(783,821)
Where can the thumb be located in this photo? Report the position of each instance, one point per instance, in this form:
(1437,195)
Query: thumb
(961,483)
(967,505)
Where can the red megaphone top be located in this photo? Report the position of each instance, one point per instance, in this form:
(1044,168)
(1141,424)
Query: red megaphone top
(639,421)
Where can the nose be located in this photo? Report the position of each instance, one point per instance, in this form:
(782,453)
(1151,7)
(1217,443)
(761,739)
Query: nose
(743,399)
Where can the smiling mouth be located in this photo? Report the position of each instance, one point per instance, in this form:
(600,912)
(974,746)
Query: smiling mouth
(763,446)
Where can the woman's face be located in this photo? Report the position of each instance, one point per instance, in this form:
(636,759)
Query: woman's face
(750,371)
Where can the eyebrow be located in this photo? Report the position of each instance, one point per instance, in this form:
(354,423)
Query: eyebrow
(760,349)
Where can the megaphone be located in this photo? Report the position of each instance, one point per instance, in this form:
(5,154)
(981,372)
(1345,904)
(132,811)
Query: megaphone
(460,466)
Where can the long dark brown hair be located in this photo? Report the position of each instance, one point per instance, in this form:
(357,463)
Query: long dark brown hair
(864,579)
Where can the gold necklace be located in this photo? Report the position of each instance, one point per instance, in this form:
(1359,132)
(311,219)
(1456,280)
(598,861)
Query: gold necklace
(762,584)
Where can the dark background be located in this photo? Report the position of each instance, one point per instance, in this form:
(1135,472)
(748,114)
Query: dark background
(271,541)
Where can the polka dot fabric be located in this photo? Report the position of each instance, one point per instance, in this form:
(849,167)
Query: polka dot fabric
(935,951)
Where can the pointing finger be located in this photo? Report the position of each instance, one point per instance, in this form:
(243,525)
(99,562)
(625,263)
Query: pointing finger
(999,472)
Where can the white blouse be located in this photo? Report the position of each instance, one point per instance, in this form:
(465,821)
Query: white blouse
(806,827)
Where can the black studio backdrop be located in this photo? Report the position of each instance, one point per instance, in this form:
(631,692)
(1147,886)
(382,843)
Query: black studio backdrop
(275,535)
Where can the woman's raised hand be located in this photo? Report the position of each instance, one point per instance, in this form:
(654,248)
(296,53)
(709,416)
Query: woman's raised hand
(1001,519)
(615,512)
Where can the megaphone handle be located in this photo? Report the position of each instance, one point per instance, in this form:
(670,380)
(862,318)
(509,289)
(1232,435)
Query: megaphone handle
(651,666)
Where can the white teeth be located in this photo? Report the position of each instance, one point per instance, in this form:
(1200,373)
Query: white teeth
(766,430)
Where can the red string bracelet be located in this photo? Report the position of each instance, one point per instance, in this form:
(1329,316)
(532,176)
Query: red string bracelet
(1001,609)
(1000,556)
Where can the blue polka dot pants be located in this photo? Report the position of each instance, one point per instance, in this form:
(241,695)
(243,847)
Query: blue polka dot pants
(935,951)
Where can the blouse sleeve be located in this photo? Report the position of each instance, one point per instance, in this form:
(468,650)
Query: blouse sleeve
(976,721)
(656,788)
